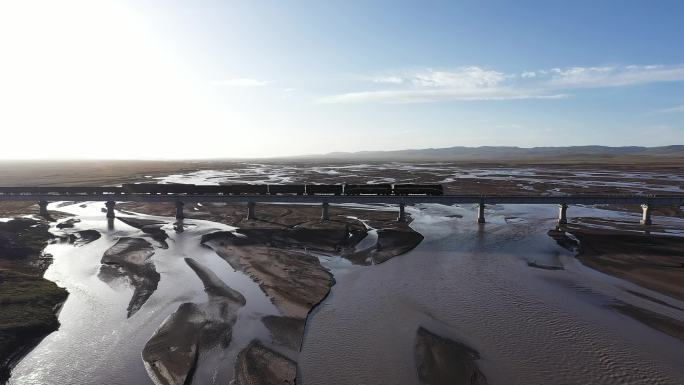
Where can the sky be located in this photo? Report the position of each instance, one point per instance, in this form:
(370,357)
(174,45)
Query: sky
(162,79)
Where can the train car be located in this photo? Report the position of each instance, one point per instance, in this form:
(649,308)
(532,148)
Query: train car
(276,189)
(418,189)
(324,189)
(175,188)
(206,189)
(31,190)
(43,190)
(139,188)
(82,190)
(368,189)
(97,190)
(11,190)
(238,189)
(156,188)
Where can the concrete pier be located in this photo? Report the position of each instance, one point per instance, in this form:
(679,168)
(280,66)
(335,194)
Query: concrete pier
(110,209)
(325,215)
(179,210)
(43,208)
(402,213)
(562,214)
(251,206)
(480,213)
(646,218)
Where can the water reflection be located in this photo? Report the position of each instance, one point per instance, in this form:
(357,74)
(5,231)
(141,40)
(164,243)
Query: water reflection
(473,283)
(468,281)
(96,343)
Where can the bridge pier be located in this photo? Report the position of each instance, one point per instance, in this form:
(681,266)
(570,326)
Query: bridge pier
(42,205)
(251,210)
(325,215)
(179,210)
(480,213)
(110,209)
(562,214)
(646,218)
(402,213)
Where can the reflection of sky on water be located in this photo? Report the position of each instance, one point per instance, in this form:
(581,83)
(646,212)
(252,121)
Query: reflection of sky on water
(96,343)
(469,282)
(472,283)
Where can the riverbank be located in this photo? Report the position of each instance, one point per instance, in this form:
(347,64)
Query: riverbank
(29,302)
(649,260)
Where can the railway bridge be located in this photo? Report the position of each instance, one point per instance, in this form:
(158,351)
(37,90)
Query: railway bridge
(110,197)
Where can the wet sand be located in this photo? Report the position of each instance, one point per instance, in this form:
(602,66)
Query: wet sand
(441,361)
(279,251)
(530,319)
(649,260)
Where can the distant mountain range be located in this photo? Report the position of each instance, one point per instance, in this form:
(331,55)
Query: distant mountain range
(504,153)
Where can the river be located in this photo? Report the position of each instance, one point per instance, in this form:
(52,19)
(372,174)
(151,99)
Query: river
(467,281)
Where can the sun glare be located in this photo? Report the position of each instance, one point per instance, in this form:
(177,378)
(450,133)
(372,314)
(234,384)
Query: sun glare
(89,71)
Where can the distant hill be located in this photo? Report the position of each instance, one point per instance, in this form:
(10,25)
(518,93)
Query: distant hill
(518,154)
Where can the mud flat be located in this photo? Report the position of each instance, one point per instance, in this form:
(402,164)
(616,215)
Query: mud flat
(148,226)
(298,226)
(10,209)
(652,261)
(287,331)
(280,251)
(295,281)
(29,302)
(130,258)
(441,361)
(665,324)
(171,355)
(258,365)
(649,260)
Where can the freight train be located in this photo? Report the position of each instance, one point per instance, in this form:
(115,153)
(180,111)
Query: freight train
(234,189)
(285,189)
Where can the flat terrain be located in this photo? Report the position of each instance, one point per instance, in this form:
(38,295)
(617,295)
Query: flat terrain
(280,250)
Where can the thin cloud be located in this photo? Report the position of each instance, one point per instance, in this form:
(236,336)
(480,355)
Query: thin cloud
(240,82)
(595,77)
(476,83)
(435,95)
(672,110)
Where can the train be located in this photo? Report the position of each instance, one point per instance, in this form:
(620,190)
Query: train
(234,189)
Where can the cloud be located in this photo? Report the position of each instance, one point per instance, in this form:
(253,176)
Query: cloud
(240,82)
(434,95)
(429,85)
(595,77)
(462,78)
(477,83)
(672,110)
(388,79)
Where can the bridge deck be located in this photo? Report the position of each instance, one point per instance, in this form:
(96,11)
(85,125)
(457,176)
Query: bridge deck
(588,199)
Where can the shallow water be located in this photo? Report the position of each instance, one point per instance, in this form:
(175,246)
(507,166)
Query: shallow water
(464,281)
(96,343)
(472,283)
